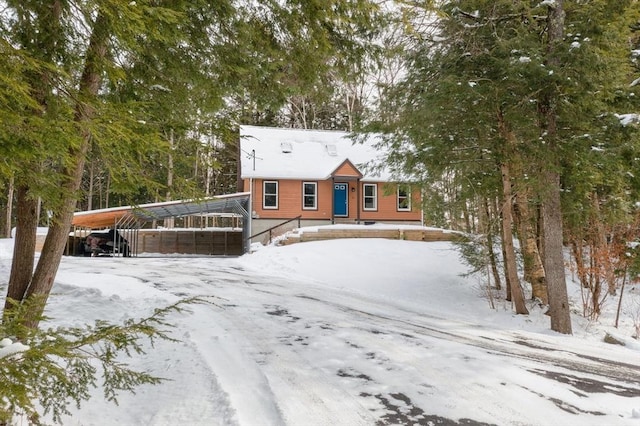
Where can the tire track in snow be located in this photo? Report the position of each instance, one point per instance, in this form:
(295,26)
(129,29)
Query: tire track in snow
(505,344)
(254,304)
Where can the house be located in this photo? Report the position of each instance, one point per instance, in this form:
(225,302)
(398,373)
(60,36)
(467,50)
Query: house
(321,176)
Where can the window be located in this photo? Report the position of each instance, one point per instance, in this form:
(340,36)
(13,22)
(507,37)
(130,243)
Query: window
(404,198)
(270,194)
(370,193)
(309,195)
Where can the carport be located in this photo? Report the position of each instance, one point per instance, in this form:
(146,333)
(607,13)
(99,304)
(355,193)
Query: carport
(130,222)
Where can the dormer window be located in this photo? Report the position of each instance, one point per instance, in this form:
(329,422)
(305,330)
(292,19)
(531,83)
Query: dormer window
(286,147)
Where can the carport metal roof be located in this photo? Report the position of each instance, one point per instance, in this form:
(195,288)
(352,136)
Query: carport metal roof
(132,216)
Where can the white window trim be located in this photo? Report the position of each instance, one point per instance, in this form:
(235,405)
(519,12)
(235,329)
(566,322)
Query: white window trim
(408,207)
(264,204)
(375,197)
(315,196)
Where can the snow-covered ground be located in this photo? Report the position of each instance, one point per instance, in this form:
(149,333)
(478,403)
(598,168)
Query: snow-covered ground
(346,332)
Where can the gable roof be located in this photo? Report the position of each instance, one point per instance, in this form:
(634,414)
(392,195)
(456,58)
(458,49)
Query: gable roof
(347,169)
(305,154)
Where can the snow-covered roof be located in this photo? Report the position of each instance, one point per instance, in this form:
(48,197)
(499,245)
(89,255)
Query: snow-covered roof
(305,154)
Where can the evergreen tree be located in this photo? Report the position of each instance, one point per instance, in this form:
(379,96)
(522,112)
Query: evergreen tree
(517,85)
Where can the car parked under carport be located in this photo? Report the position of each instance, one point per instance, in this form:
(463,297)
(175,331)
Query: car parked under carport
(106,242)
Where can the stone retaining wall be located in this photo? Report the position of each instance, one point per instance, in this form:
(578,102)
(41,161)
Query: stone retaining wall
(393,234)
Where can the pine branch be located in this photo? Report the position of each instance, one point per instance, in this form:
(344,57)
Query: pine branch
(59,367)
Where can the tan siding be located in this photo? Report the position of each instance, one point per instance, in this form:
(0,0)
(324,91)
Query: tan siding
(290,198)
(346,169)
(325,201)
(290,202)
(387,210)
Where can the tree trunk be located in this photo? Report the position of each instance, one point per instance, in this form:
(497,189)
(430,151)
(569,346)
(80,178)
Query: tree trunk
(467,218)
(107,191)
(596,291)
(510,255)
(540,232)
(490,247)
(10,191)
(578,255)
(208,158)
(24,246)
(624,280)
(559,309)
(514,291)
(507,278)
(169,222)
(534,270)
(554,259)
(602,254)
(47,268)
(90,190)
(27,207)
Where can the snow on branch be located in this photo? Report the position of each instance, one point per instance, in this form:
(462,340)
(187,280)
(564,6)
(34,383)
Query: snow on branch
(551,3)
(628,119)
(8,348)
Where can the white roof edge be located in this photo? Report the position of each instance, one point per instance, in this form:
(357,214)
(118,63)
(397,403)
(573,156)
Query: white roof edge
(318,178)
(294,129)
(162,203)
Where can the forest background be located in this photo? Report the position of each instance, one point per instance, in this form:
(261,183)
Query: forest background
(519,120)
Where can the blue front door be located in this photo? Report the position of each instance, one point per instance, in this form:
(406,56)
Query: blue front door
(340,200)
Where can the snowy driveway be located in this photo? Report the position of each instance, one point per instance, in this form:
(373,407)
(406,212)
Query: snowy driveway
(284,349)
(339,358)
